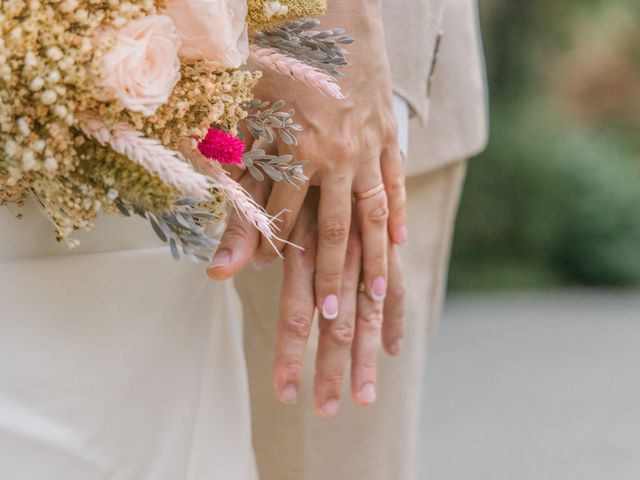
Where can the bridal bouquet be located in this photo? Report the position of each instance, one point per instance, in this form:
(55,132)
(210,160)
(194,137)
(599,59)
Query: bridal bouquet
(134,106)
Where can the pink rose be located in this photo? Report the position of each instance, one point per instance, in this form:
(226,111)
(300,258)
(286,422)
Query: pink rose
(143,67)
(211,30)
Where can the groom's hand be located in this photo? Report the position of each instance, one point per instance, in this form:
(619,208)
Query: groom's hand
(354,336)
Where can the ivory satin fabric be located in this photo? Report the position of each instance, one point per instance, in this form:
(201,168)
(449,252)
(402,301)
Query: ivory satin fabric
(117,362)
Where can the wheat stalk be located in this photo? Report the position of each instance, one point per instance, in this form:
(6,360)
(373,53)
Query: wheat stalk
(269,59)
(167,164)
(233,193)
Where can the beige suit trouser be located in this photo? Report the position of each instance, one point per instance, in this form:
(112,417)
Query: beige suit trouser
(380,442)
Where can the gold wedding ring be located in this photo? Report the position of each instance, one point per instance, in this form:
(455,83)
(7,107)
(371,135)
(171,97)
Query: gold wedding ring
(362,288)
(369,193)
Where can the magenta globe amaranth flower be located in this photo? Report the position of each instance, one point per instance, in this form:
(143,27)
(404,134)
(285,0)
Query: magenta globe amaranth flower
(222,147)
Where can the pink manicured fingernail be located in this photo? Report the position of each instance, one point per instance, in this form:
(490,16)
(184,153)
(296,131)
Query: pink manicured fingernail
(329,409)
(402,235)
(222,258)
(379,288)
(330,307)
(289,395)
(367,393)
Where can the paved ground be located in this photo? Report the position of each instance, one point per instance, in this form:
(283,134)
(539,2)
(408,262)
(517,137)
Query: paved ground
(542,387)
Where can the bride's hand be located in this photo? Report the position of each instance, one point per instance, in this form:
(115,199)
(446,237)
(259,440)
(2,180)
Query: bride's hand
(351,147)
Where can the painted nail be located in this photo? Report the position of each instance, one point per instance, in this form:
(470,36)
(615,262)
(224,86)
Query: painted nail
(402,236)
(289,395)
(329,409)
(330,307)
(368,394)
(222,258)
(379,289)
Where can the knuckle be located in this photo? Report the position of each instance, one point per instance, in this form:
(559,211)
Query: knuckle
(329,278)
(397,292)
(370,321)
(334,230)
(395,322)
(390,127)
(331,381)
(378,216)
(298,326)
(344,149)
(364,366)
(396,189)
(289,368)
(342,335)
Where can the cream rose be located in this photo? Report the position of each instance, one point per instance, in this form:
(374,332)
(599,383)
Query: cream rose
(211,30)
(143,66)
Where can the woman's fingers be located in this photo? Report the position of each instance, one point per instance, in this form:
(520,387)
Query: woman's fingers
(240,239)
(394,309)
(373,213)
(336,337)
(296,307)
(394,182)
(334,222)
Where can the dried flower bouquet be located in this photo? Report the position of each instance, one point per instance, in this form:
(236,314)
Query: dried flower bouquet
(133,106)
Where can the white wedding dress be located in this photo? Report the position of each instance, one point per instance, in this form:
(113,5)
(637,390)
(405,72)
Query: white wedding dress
(116,362)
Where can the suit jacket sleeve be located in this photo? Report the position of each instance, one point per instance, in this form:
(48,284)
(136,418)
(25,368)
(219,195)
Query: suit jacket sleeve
(439,70)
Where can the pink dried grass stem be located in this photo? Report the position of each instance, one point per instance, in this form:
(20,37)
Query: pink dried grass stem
(236,195)
(148,153)
(269,59)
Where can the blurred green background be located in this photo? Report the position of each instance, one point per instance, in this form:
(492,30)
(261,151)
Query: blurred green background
(555,199)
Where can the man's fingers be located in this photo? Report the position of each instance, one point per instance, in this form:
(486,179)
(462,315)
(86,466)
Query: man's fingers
(296,309)
(336,337)
(394,308)
(240,239)
(364,353)
(285,202)
(394,182)
(334,222)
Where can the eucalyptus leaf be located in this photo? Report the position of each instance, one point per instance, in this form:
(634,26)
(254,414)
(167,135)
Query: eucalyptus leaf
(283,159)
(186,202)
(120,206)
(255,173)
(175,253)
(157,228)
(272,172)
